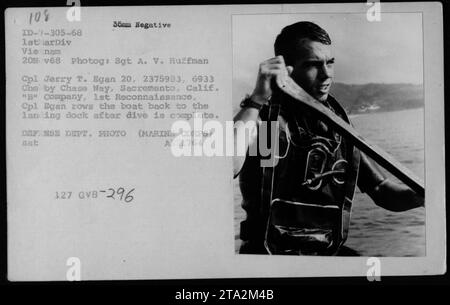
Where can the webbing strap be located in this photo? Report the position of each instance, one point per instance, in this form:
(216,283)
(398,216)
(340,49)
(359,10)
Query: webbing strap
(268,171)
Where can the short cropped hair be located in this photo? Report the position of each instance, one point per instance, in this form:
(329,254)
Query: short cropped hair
(288,41)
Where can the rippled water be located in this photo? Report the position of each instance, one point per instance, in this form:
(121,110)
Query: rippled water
(373,230)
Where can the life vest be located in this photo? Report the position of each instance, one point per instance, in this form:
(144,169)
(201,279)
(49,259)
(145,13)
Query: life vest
(301,205)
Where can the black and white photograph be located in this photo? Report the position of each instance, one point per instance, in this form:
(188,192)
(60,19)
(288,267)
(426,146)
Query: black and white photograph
(326,196)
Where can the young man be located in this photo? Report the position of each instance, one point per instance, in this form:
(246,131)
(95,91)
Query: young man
(311,186)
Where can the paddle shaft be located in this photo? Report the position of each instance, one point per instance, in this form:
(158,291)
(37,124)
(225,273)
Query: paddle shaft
(288,86)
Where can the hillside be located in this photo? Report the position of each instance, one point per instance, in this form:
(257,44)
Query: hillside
(378,97)
(372,97)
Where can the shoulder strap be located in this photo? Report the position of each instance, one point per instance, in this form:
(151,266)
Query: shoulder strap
(268,172)
(354,157)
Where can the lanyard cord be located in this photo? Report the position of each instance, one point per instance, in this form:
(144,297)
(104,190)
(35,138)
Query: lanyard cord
(268,172)
(323,175)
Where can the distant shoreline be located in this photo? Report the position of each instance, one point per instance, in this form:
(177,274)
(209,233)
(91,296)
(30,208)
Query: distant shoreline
(355,114)
(355,98)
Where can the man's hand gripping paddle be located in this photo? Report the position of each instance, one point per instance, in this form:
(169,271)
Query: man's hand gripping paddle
(289,87)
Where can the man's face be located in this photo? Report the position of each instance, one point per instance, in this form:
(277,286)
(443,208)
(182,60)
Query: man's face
(313,68)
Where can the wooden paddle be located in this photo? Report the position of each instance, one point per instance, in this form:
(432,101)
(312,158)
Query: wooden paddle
(291,88)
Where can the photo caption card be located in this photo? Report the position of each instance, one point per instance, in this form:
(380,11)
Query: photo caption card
(120,139)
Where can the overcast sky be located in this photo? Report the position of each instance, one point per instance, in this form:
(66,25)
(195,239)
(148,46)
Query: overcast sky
(389,51)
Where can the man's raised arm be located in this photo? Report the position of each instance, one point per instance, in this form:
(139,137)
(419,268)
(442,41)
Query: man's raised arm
(250,112)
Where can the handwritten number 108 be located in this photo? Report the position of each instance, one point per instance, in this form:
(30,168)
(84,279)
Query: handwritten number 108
(36,16)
